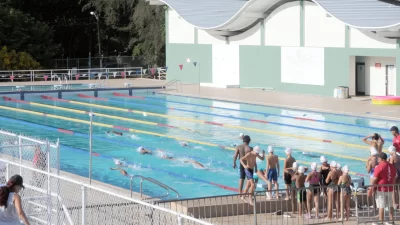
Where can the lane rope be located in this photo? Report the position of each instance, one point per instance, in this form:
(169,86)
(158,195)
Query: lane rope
(224,125)
(254,112)
(122,128)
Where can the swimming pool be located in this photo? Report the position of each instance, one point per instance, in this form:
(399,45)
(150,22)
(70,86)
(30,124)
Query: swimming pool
(158,121)
(42,87)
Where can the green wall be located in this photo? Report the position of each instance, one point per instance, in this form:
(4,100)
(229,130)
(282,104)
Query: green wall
(178,53)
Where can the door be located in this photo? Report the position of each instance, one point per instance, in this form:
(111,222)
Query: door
(360,78)
(390,80)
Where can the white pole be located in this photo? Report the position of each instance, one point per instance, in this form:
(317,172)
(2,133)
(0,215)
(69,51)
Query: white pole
(90,147)
(199,76)
(20,154)
(49,205)
(58,156)
(83,205)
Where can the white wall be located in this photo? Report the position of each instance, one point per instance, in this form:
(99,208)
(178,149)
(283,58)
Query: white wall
(376,77)
(225,62)
(321,30)
(250,37)
(360,39)
(203,37)
(282,27)
(179,31)
(352,75)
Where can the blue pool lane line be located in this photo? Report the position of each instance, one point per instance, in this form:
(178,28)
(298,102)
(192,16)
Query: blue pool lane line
(111,158)
(247,119)
(270,114)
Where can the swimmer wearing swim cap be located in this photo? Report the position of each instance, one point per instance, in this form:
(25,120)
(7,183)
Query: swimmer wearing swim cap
(272,166)
(144,151)
(287,177)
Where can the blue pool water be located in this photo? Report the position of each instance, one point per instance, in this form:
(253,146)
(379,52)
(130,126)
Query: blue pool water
(189,180)
(41,87)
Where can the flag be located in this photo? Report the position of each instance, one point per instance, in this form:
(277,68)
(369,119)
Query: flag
(195,64)
(12,78)
(77,76)
(181,66)
(45,77)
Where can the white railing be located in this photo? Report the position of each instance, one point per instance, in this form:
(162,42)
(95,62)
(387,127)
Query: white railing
(67,201)
(69,74)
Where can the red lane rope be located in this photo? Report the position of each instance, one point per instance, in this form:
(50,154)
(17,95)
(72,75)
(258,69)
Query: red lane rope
(92,97)
(128,96)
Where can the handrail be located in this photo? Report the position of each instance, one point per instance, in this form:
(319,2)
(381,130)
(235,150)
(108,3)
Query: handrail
(156,182)
(170,83)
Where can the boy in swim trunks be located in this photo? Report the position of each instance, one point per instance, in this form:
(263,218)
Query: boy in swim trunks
(272,171)
(249,161)
(287,177)
(241,151)
(300,179)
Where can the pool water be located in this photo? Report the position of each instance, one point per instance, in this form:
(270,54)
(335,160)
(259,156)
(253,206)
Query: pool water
(208,124)
(42,87)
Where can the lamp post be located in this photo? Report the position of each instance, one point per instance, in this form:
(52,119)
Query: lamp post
(98,35)
(91,115)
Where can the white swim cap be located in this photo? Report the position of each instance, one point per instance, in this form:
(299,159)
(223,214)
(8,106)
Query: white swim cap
(314,166)
(301,169)
(140,148)
(373,151)
(295,165)
(323,159)
(345,169)
(392,149)
(257,149)
(338,166)
(270,149)
(144,114)
(241,134)
(288,151)
(333,164)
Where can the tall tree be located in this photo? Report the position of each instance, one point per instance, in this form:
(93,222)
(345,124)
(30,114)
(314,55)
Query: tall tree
(23,33)
(140,28)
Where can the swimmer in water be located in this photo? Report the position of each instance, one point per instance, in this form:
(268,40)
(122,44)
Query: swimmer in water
(376,142)
(122,171)
(185,144)
(115,132)
(311,155)
(118,162)
(144,151)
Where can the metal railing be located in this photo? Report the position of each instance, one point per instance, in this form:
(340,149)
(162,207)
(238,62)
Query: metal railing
(153,181)
(172,82)
(67,201)
(69,74)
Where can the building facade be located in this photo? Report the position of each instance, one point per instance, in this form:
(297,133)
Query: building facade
(307,47)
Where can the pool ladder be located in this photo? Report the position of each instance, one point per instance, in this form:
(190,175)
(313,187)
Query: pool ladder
(172,82)
(167,188)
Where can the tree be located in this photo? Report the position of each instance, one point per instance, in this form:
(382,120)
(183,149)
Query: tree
(23,33)
(140,28)
(12,60)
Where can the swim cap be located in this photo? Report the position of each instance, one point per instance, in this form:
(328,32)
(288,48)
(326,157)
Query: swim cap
(301,169)
(270,149)
(338,166)
(392,149)
(295,165)
(288,151)
(323,159)
(241,134)
(333,164)
(257,149)
(140,149)
(373,151)
(345,169)
(314,166)
(144,114)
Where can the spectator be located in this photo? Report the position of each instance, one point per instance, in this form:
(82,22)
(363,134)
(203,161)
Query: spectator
(384,174)
(396,137)
(11,212)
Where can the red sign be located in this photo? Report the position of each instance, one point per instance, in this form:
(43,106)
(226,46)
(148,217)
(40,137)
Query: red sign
(377,65)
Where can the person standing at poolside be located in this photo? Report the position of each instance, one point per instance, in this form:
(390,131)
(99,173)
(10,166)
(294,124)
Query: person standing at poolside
(272,171)
(300,179)
(313,178)
(396,138)
(345,182)
(395,161)
(332,181)
(384,174)
(251,162)
(287,177)
(376,142)
(325,169)
(241,151)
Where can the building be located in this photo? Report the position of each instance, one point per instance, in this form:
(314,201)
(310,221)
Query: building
(307,47)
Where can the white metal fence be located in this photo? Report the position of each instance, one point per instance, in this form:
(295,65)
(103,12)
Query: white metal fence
(70,74)
(66,201)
